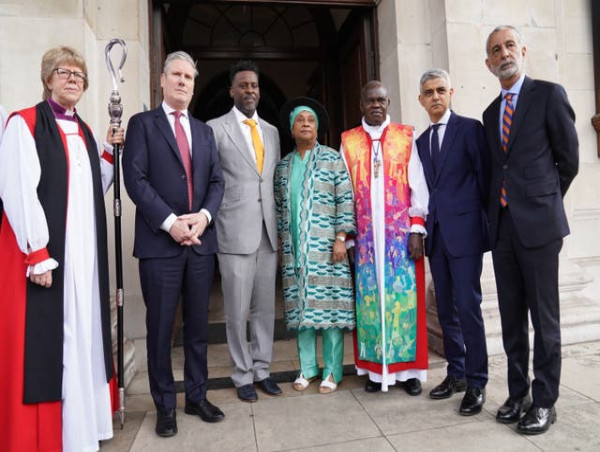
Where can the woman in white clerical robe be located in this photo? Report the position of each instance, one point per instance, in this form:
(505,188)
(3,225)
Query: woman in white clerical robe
(55,344)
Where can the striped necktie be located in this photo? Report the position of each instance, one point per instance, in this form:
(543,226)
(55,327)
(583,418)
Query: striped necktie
(506,124)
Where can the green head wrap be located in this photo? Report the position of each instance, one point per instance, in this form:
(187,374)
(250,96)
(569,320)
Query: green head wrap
(297,110)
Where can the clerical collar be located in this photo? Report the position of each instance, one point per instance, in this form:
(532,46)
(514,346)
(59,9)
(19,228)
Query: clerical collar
(61,112)
(376,131)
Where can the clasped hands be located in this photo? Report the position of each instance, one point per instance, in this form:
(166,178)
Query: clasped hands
(188,229)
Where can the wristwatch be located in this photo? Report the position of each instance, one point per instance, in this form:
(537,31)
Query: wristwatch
(341,238)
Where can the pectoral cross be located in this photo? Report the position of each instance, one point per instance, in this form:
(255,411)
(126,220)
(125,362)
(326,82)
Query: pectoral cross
(377,165)
(376,159)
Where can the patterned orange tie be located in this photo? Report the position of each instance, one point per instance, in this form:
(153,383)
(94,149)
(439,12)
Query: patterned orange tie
(506,124)
(259,149)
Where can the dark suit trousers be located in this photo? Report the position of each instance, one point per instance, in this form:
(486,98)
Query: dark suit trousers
(527,280)
(458,299)
(188,277)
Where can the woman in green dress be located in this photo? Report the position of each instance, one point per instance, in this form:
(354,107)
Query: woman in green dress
(315,212)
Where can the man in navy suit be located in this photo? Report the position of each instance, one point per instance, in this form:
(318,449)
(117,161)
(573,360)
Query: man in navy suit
(172,174)
(456,166)
(530,129)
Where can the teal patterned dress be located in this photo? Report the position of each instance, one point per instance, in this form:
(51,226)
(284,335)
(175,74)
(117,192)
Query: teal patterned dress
(318,293)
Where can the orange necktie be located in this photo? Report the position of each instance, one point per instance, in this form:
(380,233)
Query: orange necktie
(259,149)
(506,124)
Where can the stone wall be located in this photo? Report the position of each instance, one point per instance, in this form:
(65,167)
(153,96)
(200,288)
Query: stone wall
(416,35)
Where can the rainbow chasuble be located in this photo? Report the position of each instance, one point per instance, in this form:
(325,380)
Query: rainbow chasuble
(399,325)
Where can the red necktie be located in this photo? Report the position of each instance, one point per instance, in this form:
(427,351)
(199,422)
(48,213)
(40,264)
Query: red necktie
(506,124)
(184,151)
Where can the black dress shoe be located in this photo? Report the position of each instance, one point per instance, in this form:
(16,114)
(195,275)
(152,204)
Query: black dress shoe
(206,410)
(473,401)
(372,386)
(166,423)
(512,409)
(269,387)
(412,386)
(446,388)
(247,393)
(537,420)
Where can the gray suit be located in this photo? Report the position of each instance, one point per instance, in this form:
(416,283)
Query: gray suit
(247,239)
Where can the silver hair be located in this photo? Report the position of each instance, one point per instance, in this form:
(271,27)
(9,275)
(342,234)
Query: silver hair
(432,74)
(179,55)
(514,29)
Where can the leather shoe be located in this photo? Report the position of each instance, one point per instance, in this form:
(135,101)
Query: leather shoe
(269,387)
(372,386)
(512,409)
(537,420)
(446,388)
(412,386)
(166,423)
(473,401)
(247,393)
(206,410)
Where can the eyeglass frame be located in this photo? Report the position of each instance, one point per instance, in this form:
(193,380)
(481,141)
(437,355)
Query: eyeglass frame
(66,74)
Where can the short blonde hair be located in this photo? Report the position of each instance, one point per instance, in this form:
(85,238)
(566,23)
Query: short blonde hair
(56,56)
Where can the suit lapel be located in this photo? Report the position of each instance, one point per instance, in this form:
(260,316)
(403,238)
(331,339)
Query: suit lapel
(426,157)
(495,124)
(162,124)
(524,101)
(233,131)
(449,135)
(270,157)
(196,140)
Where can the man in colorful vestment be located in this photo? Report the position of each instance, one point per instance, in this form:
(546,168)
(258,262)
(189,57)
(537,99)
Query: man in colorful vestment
(390,201)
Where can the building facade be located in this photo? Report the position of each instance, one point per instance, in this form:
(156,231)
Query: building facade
(328,49)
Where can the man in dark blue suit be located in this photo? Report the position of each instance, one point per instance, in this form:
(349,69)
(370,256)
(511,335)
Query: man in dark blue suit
(172,174)
(530,129)
(456,165)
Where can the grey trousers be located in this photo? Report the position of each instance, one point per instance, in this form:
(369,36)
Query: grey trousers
(248,284)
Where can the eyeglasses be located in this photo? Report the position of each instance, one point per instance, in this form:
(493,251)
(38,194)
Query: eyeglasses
(65,74)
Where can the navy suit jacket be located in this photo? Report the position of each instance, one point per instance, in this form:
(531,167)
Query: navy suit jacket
(458,190)
(539,166)
(155,180)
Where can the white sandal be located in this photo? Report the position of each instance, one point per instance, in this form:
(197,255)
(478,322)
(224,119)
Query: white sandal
(328,386)
(301,383)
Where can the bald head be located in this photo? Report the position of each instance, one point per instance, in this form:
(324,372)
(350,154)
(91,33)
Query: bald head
(374,102)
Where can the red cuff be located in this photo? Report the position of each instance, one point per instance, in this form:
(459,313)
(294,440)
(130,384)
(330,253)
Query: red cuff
(417,220)
(108,157)
(35,257)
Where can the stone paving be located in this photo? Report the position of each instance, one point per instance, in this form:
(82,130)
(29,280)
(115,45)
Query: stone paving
(352,420)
